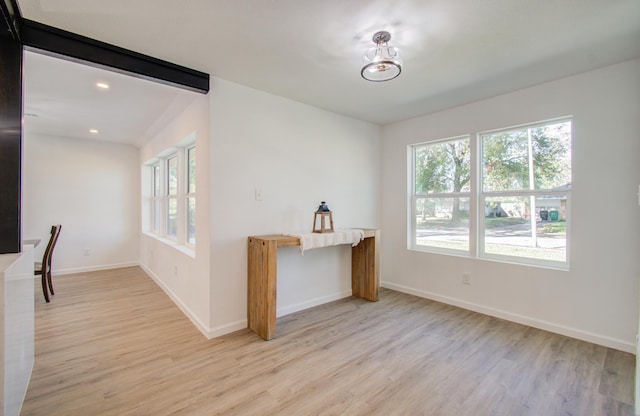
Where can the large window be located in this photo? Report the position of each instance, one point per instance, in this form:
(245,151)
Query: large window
(516,208)
(172,201)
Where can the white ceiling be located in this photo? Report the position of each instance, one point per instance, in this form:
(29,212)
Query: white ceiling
(454,52)
(62,99)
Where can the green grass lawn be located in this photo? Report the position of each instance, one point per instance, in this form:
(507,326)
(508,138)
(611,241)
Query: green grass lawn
(453,236)
(502,222)
(544,227)
(554,227)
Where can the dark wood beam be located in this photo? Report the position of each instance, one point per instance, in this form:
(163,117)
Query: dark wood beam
(10,143)
(69,45)
(16,33)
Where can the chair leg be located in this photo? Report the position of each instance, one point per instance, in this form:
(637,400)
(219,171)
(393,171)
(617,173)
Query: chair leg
(50,282)
(44,287)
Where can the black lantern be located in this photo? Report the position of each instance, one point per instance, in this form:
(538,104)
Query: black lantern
(323,219)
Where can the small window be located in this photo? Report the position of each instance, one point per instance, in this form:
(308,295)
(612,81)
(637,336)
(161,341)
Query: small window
(172,197)
(191,195)
(172,194)
(156,195)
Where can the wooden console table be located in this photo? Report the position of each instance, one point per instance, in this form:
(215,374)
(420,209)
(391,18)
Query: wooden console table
(262,274)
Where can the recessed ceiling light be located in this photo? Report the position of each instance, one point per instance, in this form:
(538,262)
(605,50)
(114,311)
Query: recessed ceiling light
(102,85)
(93,131)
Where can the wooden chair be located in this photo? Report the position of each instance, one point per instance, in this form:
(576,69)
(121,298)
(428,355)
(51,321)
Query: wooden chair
(44,268)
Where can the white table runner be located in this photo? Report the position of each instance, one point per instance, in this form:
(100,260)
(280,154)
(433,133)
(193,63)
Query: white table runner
(315,240)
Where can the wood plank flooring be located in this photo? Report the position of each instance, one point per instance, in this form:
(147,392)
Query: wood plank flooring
(112,343)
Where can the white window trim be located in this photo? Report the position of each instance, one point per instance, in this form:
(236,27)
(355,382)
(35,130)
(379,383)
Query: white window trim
(168,198)
(413,243)
(476,200)
(188,195)
(179,241)
(156,198)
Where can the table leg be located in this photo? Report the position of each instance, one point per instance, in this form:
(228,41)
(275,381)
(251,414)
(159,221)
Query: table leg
(261,298)
(365,268)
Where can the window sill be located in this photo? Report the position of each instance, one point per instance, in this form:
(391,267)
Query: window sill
(431,250)
(189,251)
(515,261)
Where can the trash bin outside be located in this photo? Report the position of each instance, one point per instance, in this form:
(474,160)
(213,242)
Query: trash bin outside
(544,214)
(553,215)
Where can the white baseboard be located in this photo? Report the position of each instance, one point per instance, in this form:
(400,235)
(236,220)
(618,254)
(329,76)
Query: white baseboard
(192,317)
(60,272)
(521,319)
(206,331)
(286,310)
(242,324)
(226,329)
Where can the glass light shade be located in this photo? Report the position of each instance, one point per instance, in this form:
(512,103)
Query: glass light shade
(382,62)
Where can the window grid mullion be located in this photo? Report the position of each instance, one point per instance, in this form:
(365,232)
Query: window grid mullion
(537,192)
(511,214)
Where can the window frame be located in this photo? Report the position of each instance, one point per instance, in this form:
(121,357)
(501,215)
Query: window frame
(170,197)
(415,196)
(477,197)
(156,213)
(535,193)
(174,192)
(190,195)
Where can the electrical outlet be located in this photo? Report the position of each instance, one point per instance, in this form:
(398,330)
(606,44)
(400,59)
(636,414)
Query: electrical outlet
(175,270)
(258,194)
(86,252)
(466,278)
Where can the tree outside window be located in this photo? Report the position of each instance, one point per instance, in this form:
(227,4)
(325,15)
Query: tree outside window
(526,187)
(523,194)
(441,189)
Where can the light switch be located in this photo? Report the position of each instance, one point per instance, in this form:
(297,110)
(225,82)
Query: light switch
(258,194)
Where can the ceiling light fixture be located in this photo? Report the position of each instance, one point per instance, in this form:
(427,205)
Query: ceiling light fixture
(93,131)
(382,62)
(102,85)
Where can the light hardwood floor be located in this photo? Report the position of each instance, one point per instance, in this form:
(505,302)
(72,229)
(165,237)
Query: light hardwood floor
(112,343)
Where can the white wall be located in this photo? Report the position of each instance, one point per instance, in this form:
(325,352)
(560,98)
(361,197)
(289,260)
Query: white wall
(185,277)
(597,299)
(89,187)
(297,155)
